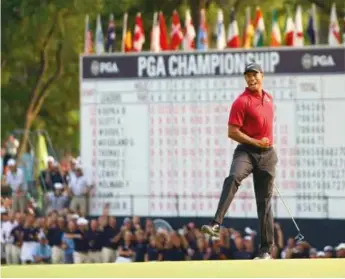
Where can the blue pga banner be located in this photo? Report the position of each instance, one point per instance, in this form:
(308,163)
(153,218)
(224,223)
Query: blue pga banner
(229,62)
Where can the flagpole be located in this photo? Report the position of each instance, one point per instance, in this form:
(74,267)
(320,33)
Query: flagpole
(316,23)
(154,22)
(86,40)
(124,31)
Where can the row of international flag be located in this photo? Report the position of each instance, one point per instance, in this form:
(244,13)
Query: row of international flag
(187,38)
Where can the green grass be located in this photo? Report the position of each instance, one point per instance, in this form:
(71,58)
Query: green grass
(206,269)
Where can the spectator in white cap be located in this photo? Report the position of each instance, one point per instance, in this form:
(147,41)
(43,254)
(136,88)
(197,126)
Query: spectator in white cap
(16,181)
(313,253)
(328,251)
(79,190)
(320,254)
(249,247)
(57,200)
(340,250)
(81,242)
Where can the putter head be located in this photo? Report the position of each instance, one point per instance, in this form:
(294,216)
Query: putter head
(299,237)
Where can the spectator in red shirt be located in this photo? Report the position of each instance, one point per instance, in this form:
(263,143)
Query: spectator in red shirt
(251,125)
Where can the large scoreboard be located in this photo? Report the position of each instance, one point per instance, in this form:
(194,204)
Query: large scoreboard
(154,130)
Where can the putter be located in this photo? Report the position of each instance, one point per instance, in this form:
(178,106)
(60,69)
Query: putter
(299,236)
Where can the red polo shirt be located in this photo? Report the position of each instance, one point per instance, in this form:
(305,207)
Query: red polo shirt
(254,114)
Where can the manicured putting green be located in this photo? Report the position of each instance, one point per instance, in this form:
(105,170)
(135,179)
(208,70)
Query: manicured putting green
(221,269)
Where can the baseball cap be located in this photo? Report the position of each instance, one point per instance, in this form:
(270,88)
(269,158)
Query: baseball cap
(82,221)
(328,248)
(11,162)
(253,67)
(341,246)
(58,186)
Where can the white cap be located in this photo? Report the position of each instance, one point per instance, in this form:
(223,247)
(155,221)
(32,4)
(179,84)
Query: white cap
(328,248)
(3,210)
(320,254)
(41,236)
(82,221)
(11,162)
(75,216)
(58,186)
(248,230)
(50,159)
(340,247)
(247,237)
(78,167)
(312,251)
(74,161)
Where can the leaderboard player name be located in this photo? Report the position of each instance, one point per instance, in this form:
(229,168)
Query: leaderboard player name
(204,64)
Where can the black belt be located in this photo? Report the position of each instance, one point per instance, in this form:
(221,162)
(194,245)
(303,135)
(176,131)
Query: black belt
(254,149)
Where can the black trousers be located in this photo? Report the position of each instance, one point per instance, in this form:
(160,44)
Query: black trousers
(261,162)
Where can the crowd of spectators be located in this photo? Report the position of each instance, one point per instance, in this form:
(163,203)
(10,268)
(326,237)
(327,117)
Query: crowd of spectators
(65,237)
(60,230)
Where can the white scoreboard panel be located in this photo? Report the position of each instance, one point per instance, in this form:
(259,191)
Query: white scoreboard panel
(154,131)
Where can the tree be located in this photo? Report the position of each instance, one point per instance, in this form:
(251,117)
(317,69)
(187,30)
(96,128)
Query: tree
(40,48)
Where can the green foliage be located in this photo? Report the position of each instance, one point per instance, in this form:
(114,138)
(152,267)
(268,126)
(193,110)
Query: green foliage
(26,25)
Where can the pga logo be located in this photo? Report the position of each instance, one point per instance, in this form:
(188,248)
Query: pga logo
(309,61)
(103,68)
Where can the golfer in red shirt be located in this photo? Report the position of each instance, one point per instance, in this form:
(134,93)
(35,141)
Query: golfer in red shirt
(251,125)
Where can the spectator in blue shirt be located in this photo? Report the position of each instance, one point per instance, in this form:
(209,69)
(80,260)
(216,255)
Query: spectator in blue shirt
(42,252)
(68,243)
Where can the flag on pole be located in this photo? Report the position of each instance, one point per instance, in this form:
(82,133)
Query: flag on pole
(41,157)
(248,30)
(124,31)
(176,32)
(298,34)
(259,35)
(155,36)
(202,43)
(289,30)
(99,36)
(139,35)
(189,33)
(312,29)
(220,30)
(163,34)
(334,29)
(276,37)
(128,42)
(110,35)
(87,36)
(41,154)
(233,32)
(344,28)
